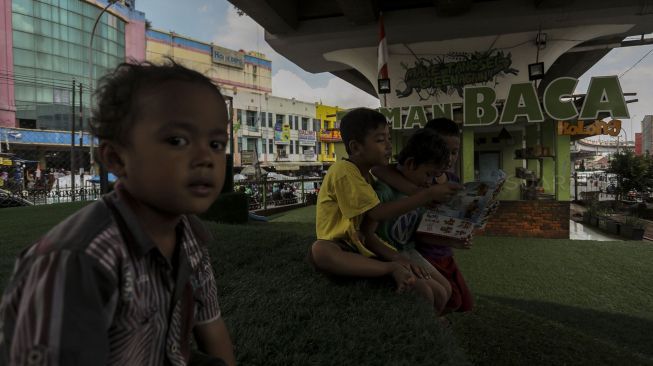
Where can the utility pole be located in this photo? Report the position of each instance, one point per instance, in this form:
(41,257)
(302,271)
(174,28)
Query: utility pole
(72,147)
(81,139)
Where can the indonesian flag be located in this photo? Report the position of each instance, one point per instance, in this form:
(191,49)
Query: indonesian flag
(383,51)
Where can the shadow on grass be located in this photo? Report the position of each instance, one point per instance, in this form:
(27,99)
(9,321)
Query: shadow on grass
(628,332)
(496,333)
(282,312)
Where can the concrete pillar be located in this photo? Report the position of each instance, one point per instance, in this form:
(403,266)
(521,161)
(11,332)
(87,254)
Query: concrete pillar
(7,98)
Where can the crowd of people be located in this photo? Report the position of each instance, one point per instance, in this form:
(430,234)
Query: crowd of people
(19,179)
(129,278)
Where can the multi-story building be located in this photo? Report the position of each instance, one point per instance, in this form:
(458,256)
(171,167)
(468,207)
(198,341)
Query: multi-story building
(329,132)
(647,135)
(45,46)
(273,131)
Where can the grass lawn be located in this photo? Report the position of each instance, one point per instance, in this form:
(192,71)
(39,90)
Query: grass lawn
(538,302)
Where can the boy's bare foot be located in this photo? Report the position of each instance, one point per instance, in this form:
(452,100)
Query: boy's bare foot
(403,278)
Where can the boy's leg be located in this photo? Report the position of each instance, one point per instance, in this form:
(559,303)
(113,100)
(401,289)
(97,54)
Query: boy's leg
(417,258)
(440,296)
(424,289)
(329,257)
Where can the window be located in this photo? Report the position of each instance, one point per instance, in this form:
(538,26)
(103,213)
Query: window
(316,125)
(270,120)
(297,146)
(22,6)
(304,123)
(22,23)
(24,58)
(251,118)
(280,118)
(270,146)
(291,146)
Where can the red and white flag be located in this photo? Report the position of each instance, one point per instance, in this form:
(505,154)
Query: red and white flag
(383,51)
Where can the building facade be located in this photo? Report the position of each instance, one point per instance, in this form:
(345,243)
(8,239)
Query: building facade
(45,48)
(647,135)
(329,132)
(269,130)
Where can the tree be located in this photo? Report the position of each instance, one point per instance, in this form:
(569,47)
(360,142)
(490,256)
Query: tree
(633,172)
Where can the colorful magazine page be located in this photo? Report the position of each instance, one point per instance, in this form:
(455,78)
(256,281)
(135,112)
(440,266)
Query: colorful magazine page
(470,208)
(433,223)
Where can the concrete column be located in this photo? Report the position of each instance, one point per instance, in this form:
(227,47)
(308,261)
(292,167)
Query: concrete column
(7,98)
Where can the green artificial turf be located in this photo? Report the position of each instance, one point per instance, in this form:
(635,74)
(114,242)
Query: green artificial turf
(538,301)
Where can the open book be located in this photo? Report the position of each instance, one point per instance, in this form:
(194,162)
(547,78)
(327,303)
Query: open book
(469,209)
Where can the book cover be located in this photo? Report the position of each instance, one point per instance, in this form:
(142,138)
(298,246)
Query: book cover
(468,210)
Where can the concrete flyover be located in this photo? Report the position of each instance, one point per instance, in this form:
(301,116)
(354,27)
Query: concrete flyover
(341,36)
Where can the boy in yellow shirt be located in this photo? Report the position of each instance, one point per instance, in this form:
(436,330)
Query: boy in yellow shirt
(346,196)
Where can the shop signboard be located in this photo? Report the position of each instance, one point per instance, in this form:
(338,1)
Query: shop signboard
(281,133)
(247,157)
(330,136)
(479,104)
(612,128)
(307,138)
(225,56)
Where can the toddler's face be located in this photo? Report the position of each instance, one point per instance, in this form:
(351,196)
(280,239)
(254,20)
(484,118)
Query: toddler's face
(175,159)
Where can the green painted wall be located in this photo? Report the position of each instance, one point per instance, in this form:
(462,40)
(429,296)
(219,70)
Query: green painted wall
(511,188)
(563,168)
(467,155)
(548,164)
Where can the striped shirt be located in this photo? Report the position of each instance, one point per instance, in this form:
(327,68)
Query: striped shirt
(95,290)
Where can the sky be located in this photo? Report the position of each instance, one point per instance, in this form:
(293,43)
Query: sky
(217,21)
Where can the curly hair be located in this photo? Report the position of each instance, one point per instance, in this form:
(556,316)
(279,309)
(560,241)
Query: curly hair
(425,146)
(357,123)
(118,92)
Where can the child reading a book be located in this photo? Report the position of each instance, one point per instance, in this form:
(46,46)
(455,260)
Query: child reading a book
(127,280)
(346,196)
(437,251)
(423,157)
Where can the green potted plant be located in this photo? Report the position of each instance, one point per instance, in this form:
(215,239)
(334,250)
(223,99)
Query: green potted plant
(632,228)
(590,216)
(613,226)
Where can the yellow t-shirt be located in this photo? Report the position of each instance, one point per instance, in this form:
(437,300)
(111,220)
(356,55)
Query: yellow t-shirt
(344,198)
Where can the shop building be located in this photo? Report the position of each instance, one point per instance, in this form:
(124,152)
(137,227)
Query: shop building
(270,130)
(45,49)
(329,133)
(647,135)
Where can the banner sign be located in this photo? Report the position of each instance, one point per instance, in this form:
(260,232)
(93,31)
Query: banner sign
(450,73)
(307,138)
(479,106)
(331,135)
(281,134)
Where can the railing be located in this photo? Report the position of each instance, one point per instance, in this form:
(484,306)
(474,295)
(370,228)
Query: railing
(49,196)
(302,190)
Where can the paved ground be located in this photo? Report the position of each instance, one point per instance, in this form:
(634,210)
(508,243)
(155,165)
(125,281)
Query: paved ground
(578,231)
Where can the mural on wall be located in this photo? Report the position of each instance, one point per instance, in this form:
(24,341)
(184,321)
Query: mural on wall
(445,75)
